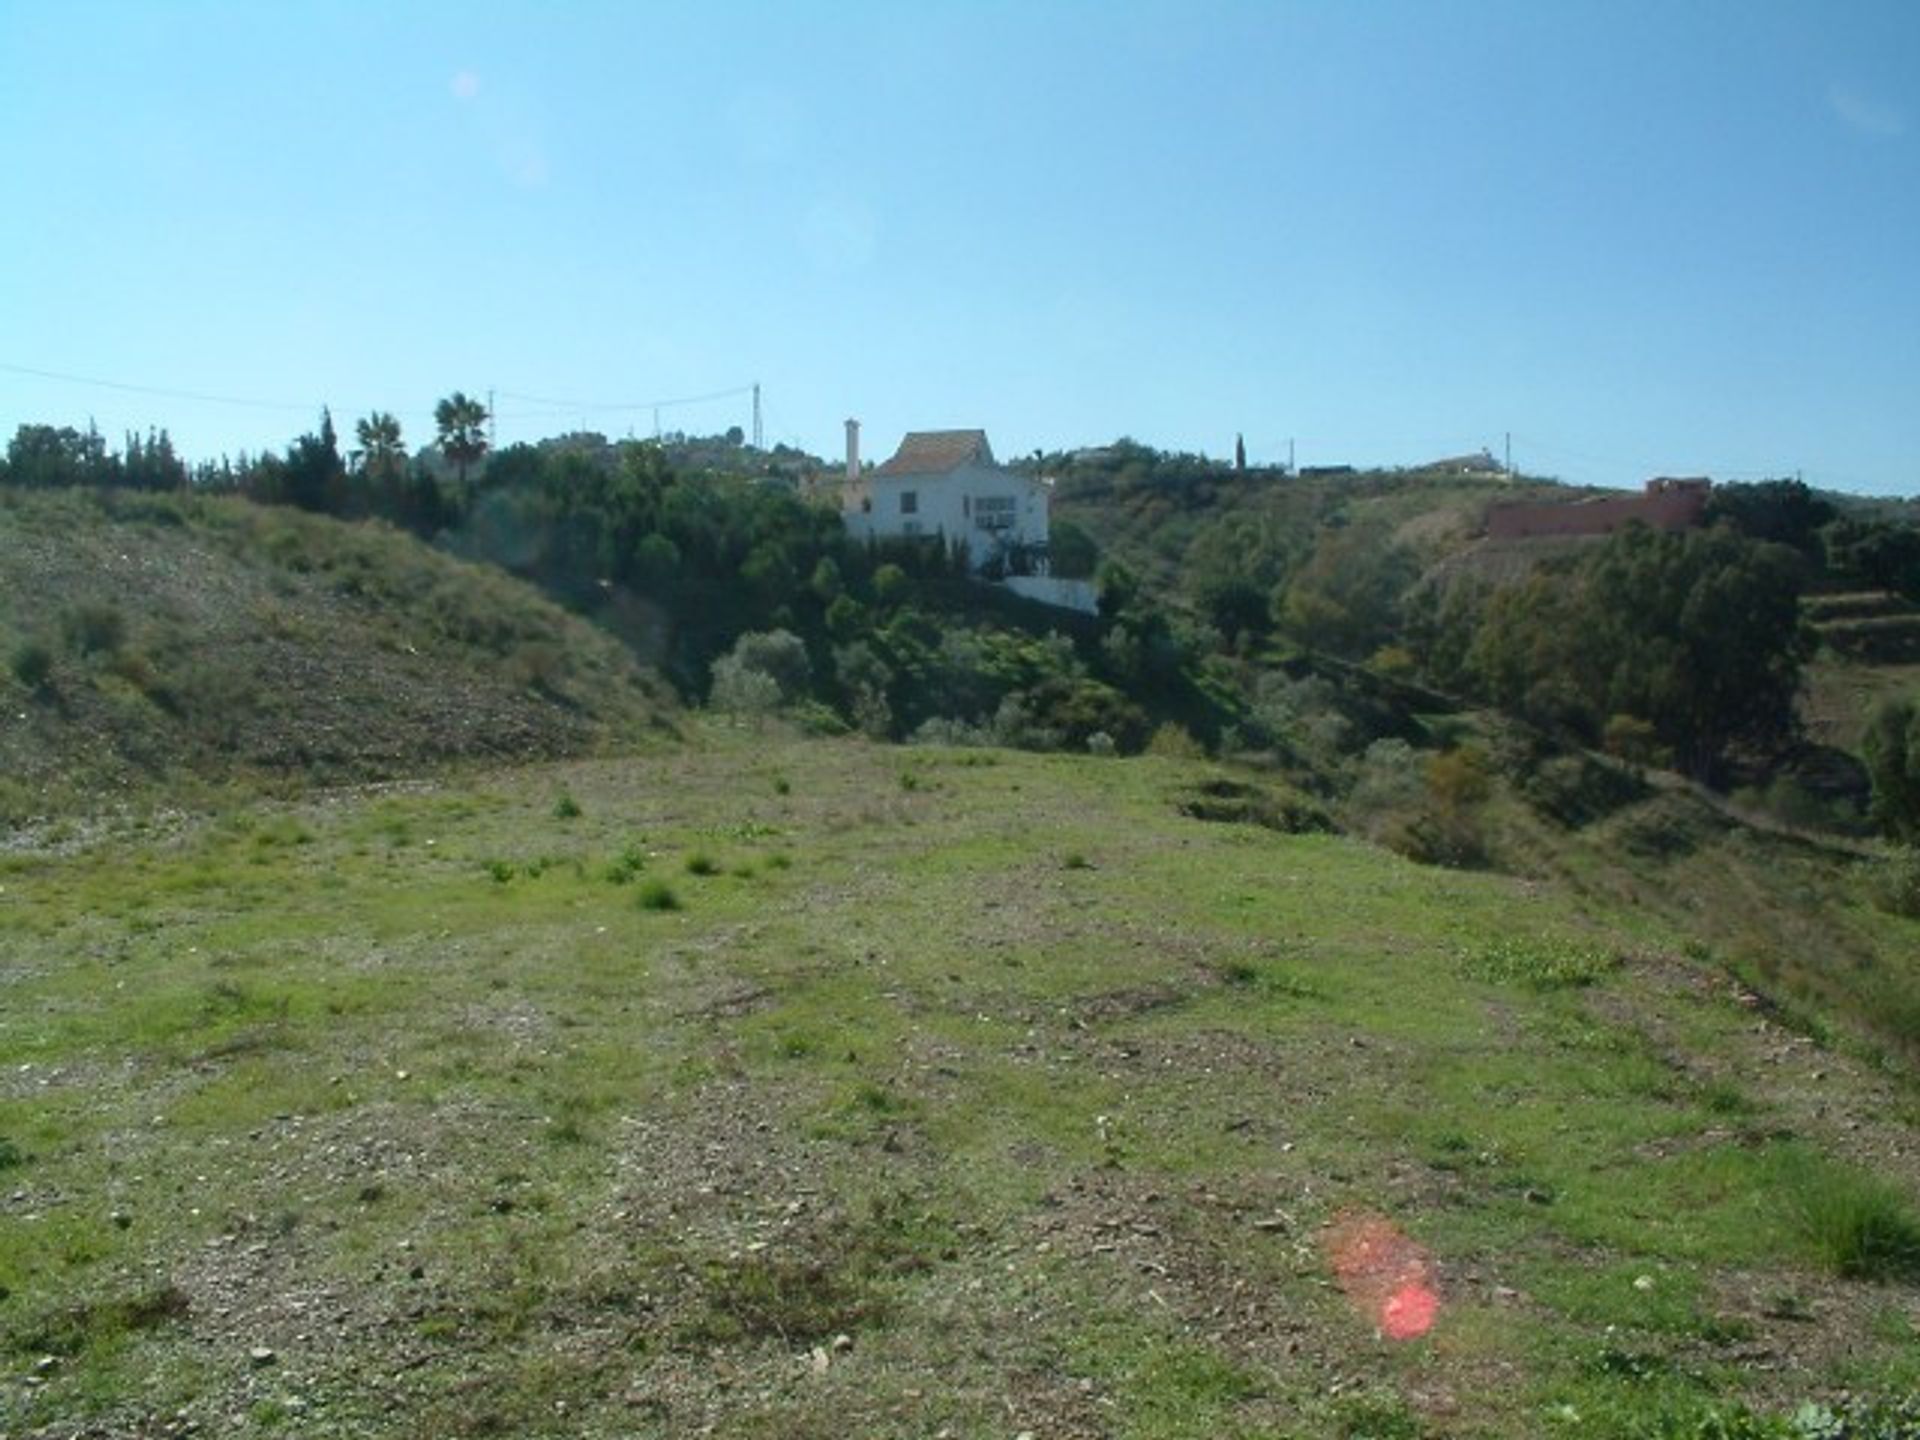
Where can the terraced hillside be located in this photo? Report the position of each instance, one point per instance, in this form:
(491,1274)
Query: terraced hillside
(150,641)
(776,1088)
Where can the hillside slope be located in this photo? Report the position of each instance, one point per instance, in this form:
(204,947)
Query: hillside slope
(167,639)
(810,1089)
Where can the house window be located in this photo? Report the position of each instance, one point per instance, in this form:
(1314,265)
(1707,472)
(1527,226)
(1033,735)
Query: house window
(909,502)
(910,527)
(993,512)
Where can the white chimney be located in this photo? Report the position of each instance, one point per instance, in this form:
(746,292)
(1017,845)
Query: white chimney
(853,450)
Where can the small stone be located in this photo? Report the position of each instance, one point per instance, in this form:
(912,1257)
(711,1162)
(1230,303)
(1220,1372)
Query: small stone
(819,1360)
(121,1220)
(46,1365)
(842,1343)
(403,1074)
(1643,1282)
(261,1355)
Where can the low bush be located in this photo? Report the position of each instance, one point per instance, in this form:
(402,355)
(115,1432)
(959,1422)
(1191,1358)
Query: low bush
(95,628)
(658,895)
(32,663)
(1895,884)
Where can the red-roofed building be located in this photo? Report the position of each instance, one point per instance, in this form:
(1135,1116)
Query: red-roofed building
(947,483)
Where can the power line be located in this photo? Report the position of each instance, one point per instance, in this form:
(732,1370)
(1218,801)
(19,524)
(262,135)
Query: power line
(156,390)
(582,405)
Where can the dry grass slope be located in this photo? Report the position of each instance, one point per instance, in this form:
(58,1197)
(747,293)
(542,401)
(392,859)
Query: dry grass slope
(154,641)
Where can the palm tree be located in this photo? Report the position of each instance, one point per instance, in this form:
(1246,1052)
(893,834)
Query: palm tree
(381,450)
(463,431)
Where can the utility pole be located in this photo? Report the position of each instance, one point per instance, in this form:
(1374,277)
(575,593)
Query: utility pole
(656,424)
(1509,455)
(759,436)
(490,444)
(1289,455)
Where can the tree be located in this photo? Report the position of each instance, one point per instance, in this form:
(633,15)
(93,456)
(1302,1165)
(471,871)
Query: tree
(1783,511)
(1876,553)
(1347,596)
(1891,748)
(42,456)
(462,425)
(315,476)
(380,463)
(1698,634)
(380,445)
(1072,552)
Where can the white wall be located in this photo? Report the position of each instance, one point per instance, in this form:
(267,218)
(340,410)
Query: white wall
(945,505)
(1066,594)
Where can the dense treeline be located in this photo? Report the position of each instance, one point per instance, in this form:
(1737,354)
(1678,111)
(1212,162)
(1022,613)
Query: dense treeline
(719,577)
(1671,647)
(1683,649)
(1665,648)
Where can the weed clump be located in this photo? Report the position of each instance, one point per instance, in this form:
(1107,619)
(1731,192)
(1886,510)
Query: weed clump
(1537,964)
(624,866)
(32,663)
(701,863)
(566,807)
(1859,1226)
(658,895)
(79,1327)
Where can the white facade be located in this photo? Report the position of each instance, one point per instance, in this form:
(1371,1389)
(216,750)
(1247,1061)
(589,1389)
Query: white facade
(946,484)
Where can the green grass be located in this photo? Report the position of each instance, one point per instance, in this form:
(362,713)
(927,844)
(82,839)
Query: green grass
(1054,1147)
(1856,1224)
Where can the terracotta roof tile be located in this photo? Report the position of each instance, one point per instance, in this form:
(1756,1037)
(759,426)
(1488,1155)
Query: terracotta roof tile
(934,452)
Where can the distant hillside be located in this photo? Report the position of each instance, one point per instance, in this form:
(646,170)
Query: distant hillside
(1178,520)
(162,639)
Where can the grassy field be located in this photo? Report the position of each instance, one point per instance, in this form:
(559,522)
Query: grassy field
(765,1087)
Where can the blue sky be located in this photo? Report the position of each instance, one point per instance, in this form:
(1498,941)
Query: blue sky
(1642,238)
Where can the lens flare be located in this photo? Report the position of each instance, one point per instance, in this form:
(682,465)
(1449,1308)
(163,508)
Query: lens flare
(1385,1276)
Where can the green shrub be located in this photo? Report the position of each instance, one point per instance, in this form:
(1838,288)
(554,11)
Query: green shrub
(32,663)
(95,627)
(658,895)
(566,807)
(629,863)
(1895,885)
(1171,742)
(701,863)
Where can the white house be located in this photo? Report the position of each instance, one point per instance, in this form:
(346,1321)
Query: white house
(946,483)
